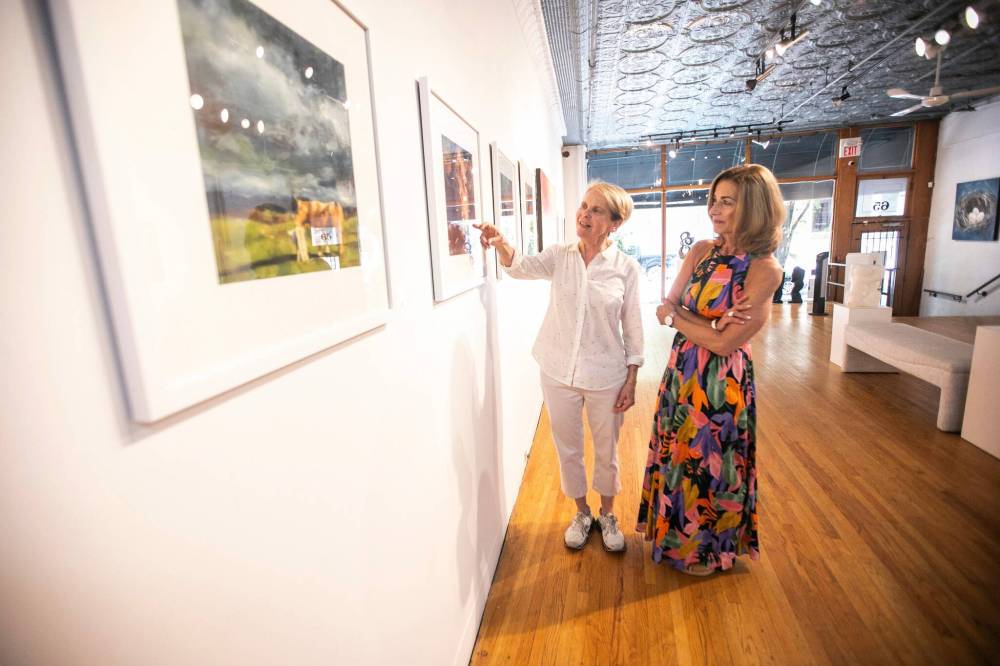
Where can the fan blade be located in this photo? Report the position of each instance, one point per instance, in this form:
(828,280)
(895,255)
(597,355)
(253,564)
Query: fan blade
(976,93)
(906,111)
(899,93)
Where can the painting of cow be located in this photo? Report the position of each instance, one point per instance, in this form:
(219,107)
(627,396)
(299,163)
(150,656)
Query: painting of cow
(271,116)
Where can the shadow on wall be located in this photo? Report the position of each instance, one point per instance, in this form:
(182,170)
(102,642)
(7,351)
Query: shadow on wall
(476,441)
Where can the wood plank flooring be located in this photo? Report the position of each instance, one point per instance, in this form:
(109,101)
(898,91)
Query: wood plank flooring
(879,536)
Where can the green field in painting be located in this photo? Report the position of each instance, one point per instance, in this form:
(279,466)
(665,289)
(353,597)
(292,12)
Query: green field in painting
(249,250)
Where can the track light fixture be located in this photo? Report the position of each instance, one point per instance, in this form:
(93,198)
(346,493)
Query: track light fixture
(842,97)
(926,48)
(970,17)
(761,70)
(675,140)
(929,48)
(792,40)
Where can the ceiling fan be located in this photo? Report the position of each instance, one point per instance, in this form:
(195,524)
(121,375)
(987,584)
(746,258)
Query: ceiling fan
(936,97)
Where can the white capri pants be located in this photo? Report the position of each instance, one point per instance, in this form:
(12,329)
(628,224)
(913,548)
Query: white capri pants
(565,404)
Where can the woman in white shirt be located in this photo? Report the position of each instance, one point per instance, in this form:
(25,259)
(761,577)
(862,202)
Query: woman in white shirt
(589,348)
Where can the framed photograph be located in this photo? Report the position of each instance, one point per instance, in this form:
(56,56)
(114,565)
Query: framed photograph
(530,238)
(506,202)
(230,161)
(548,220)
(976,210)
(455,198)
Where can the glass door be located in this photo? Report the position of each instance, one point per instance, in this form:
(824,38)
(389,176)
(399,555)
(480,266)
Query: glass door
(888,238)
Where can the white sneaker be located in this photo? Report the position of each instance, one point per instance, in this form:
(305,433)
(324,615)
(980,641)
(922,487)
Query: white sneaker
(579,530)
(614,540)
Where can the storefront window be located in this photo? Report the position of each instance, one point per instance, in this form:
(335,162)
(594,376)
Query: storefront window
(640,238)
(881,197)
(700,164)
(886,149)
(687,223)
(632,170)
(797,156)
(804,234)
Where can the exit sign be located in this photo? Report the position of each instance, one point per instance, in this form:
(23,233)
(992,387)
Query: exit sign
(850,147)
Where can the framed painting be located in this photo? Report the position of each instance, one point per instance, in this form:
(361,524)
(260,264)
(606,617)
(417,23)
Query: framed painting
(506,202)
(455,198)
(530,238)
(230,163)
(976,210)
(548,222)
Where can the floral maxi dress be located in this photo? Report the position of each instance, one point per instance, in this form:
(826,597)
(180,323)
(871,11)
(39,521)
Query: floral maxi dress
(699,493)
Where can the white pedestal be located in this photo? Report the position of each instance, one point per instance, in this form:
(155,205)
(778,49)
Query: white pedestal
(848,358)
(979,426)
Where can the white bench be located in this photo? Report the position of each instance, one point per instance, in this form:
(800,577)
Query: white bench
(872,343)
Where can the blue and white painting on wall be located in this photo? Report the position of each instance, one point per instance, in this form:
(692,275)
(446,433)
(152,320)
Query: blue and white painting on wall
(976,210)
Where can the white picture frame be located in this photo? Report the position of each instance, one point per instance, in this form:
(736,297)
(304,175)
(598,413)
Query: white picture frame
(545,210)
(530,236)
(506,198)
(183,335)
(456,198)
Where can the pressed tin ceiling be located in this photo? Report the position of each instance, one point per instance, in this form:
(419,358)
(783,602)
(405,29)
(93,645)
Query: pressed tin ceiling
(631,69)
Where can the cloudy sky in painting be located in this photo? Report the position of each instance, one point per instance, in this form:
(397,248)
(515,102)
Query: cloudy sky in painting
(244,64)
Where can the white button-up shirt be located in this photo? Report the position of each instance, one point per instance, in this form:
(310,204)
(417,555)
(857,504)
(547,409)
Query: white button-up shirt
(592,330)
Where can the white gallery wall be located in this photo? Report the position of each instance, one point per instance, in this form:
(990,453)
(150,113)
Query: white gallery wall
(349,508)
(968,149)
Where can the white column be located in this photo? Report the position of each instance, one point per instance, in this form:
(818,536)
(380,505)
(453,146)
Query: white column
(574,184)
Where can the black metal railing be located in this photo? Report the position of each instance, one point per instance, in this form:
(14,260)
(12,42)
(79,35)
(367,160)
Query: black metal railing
(982,291)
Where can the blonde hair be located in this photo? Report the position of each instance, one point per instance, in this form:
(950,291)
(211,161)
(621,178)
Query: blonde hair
(760,208)
(619,201)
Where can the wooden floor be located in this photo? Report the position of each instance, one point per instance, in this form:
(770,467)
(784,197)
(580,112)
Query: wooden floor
(880,536)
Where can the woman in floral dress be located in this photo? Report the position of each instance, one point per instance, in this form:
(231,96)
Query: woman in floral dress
(699,496)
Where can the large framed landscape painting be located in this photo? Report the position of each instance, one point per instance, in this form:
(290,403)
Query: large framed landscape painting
(455,197)
(976,210)
(506,202)
(230,163)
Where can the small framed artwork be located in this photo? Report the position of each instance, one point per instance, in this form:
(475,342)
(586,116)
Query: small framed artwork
(506,202)
(230,163)
(976,210)
(548,223)
(455,199)
(530,239)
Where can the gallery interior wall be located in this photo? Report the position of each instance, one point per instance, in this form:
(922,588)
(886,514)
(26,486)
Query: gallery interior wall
(968,149)
(349,508)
